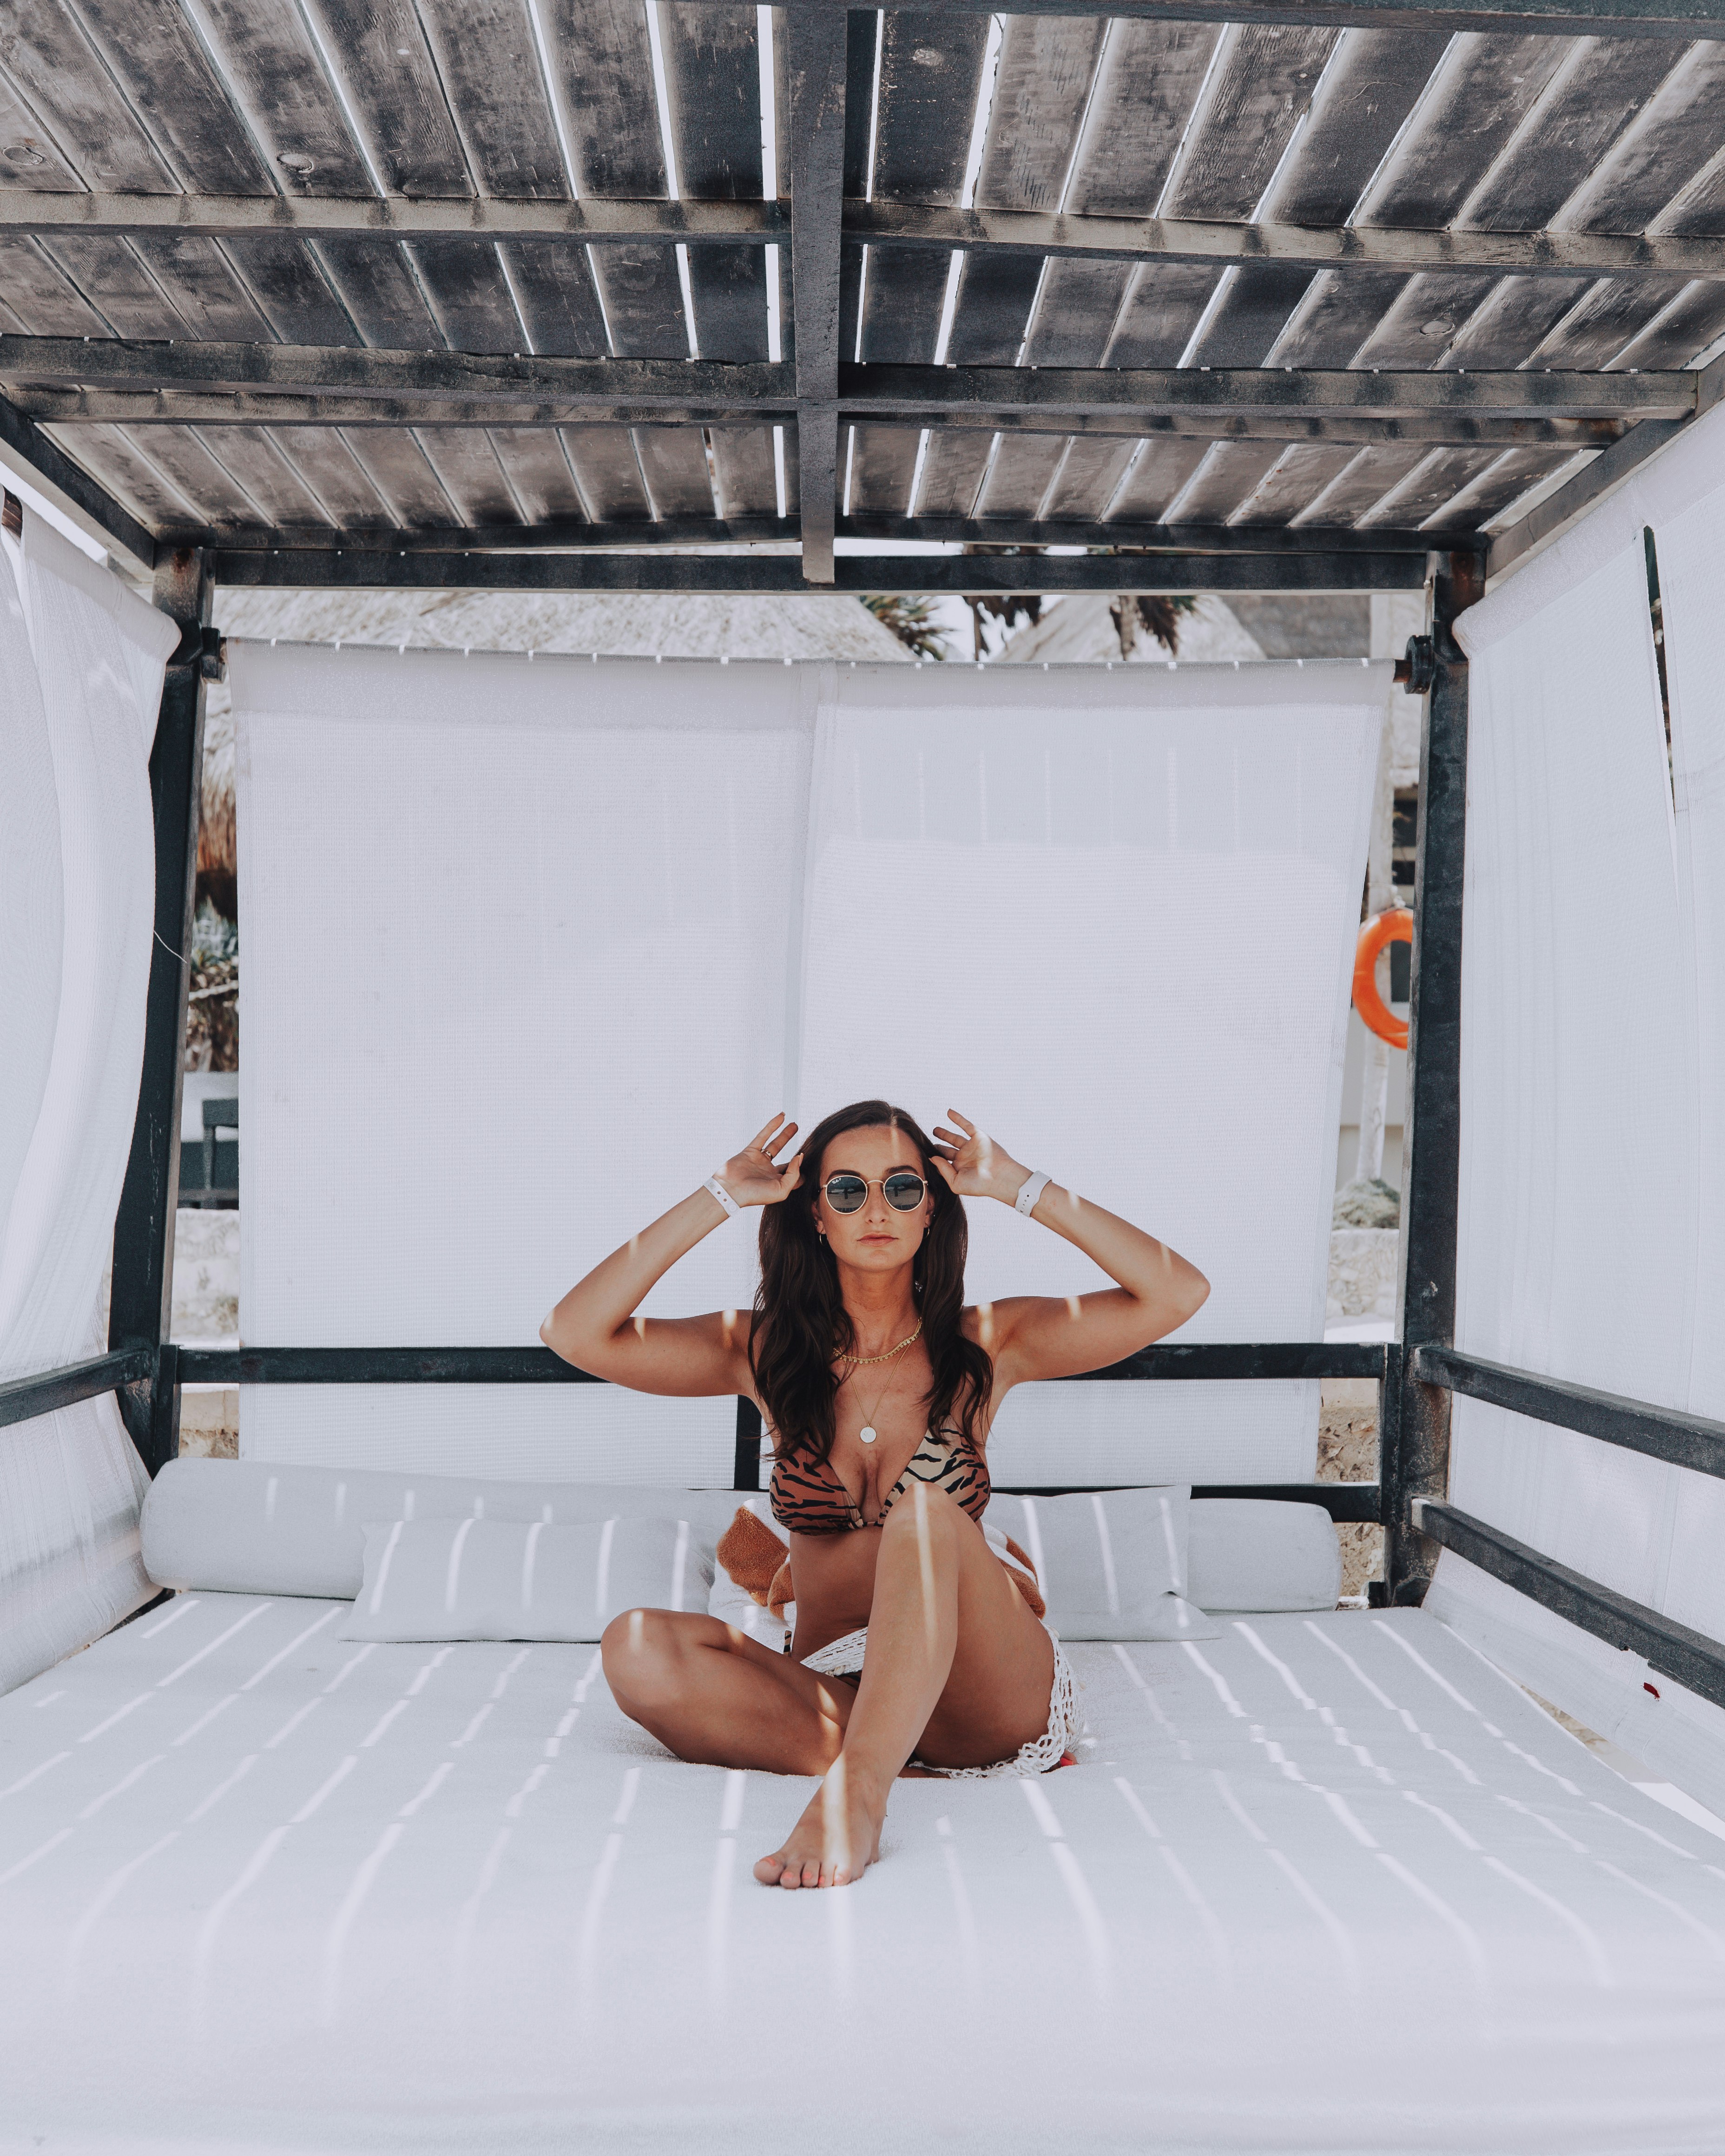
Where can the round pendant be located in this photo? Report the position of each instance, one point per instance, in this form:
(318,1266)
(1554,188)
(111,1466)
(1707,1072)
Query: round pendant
(867,1434)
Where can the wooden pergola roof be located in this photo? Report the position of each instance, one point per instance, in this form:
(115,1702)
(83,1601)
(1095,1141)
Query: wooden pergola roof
(531,292)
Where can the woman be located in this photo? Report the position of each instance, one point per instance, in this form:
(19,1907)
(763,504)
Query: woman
(880,1388)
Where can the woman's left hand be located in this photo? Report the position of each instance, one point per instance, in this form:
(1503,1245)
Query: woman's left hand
(973,1165)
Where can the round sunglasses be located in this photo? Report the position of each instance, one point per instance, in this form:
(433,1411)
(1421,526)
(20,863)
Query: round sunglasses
(903,1191)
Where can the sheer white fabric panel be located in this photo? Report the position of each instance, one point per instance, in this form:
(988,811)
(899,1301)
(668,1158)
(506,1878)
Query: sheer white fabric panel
(1592,1169)
(517,953)
(1111,918)
(82,662)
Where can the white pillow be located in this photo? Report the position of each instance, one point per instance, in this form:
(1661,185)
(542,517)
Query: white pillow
(514,1579)
(1261,1553)
(1111,1564)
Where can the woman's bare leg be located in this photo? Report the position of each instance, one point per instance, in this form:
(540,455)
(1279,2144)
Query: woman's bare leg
(957,1668)
(720,1699)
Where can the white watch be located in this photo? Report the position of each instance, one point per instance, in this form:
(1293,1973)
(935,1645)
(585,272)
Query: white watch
(731,1207)
(1035,1184)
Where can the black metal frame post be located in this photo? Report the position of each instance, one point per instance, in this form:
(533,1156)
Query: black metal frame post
(1416,1458)
(140,1309)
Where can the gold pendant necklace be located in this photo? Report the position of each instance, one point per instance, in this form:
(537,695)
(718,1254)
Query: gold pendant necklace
(868,1433)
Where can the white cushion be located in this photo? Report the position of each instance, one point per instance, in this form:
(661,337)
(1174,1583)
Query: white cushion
(244,1527)
(1111,1564)
(1260,1554)
(515,1579)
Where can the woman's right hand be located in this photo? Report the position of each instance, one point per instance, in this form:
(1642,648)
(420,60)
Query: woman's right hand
(753,1176)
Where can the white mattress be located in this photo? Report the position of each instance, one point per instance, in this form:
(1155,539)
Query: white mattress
(1325,1883)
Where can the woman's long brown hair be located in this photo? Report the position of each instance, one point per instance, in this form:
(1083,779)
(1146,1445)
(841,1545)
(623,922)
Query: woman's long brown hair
(801,1323)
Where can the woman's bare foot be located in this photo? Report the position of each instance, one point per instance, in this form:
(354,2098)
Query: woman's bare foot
(836,1840)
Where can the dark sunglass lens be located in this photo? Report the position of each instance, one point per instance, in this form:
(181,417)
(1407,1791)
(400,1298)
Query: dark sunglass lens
(845,1193)
(904,1193)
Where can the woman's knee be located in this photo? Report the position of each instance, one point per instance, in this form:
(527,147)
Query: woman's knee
(645,1653)
(927,1516)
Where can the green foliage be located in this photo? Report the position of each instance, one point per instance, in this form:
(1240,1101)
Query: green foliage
(910,619)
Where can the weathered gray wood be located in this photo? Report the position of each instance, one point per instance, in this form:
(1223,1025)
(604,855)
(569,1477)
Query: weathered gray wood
(1048,63)
(1605,472)
(1580,18)
(277,90)
(393,85)
(1261,90)
(484,54)
(817,70)
(649,571)
(25,451)
(152,51)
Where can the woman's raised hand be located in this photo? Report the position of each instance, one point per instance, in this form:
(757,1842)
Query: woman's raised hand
(973,1165)
(753,1176)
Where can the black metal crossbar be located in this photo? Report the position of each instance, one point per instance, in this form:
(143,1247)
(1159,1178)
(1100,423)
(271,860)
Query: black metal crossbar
(22,1399)
(1683,1440)
(1688,1658)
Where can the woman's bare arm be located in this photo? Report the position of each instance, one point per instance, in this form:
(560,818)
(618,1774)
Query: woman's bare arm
(595,1326)
(1035,1335)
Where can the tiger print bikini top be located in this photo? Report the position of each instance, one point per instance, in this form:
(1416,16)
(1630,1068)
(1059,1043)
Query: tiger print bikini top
(810,1500)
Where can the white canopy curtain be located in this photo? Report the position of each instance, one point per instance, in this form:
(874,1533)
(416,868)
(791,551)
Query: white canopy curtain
(81,664)
(1593,1167)
(531,946)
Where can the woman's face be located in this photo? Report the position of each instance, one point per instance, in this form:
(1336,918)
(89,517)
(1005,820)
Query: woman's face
(877,1237)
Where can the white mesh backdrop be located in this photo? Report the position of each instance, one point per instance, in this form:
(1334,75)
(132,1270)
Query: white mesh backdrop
(81,664)
(1109,917)
(526,950)
(518,937)
(1592,1169)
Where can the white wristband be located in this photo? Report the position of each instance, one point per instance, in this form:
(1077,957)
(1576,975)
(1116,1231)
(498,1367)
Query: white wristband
(731,1207)
(1025,1202)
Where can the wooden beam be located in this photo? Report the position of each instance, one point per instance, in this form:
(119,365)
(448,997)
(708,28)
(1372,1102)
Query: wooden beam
(368,570)
(817,101)
(28,454)
(70,407)
(1352,247)
(984,231)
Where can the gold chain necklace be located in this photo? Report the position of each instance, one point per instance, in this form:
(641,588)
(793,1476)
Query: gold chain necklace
(868,1433)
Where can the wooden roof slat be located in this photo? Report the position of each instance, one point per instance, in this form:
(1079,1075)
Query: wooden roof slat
(472,303)
(539,474)
(902,297)
(1504,480)
(604,462)
(328,467)
(1296,479)
(673,464)
(51,60)
(742,463)
(1511,323)
(1336,317)
(1263,85)
(1024,468)
(288,282)
(930,70)
(557,297)
(381,294)
(1088,478)
(200,476)
(200,281)
(1251,315)
(952,473)
(1401,339)
(269,478)
(154,53)
(604,67)
(1047,67)
(1485,88)
(1162,467)
(489,68)
(1374,82)
(1434,481)
(274,81)
(38,163)
(643,301)
(393,84)
(1586,110)
(1225,481)
(1677,134)
(879,461)
(112,457)
(131,301)
(470,473)
(397,465)
(1606,317)
(991,309)
(42,297)
(1075,313)
(1163,306)
(1694,323)
(1151,77)
(1363,482)
(728,286)
(712,71)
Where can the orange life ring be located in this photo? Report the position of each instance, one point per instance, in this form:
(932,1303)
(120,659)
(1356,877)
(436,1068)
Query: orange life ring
(1396,926)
